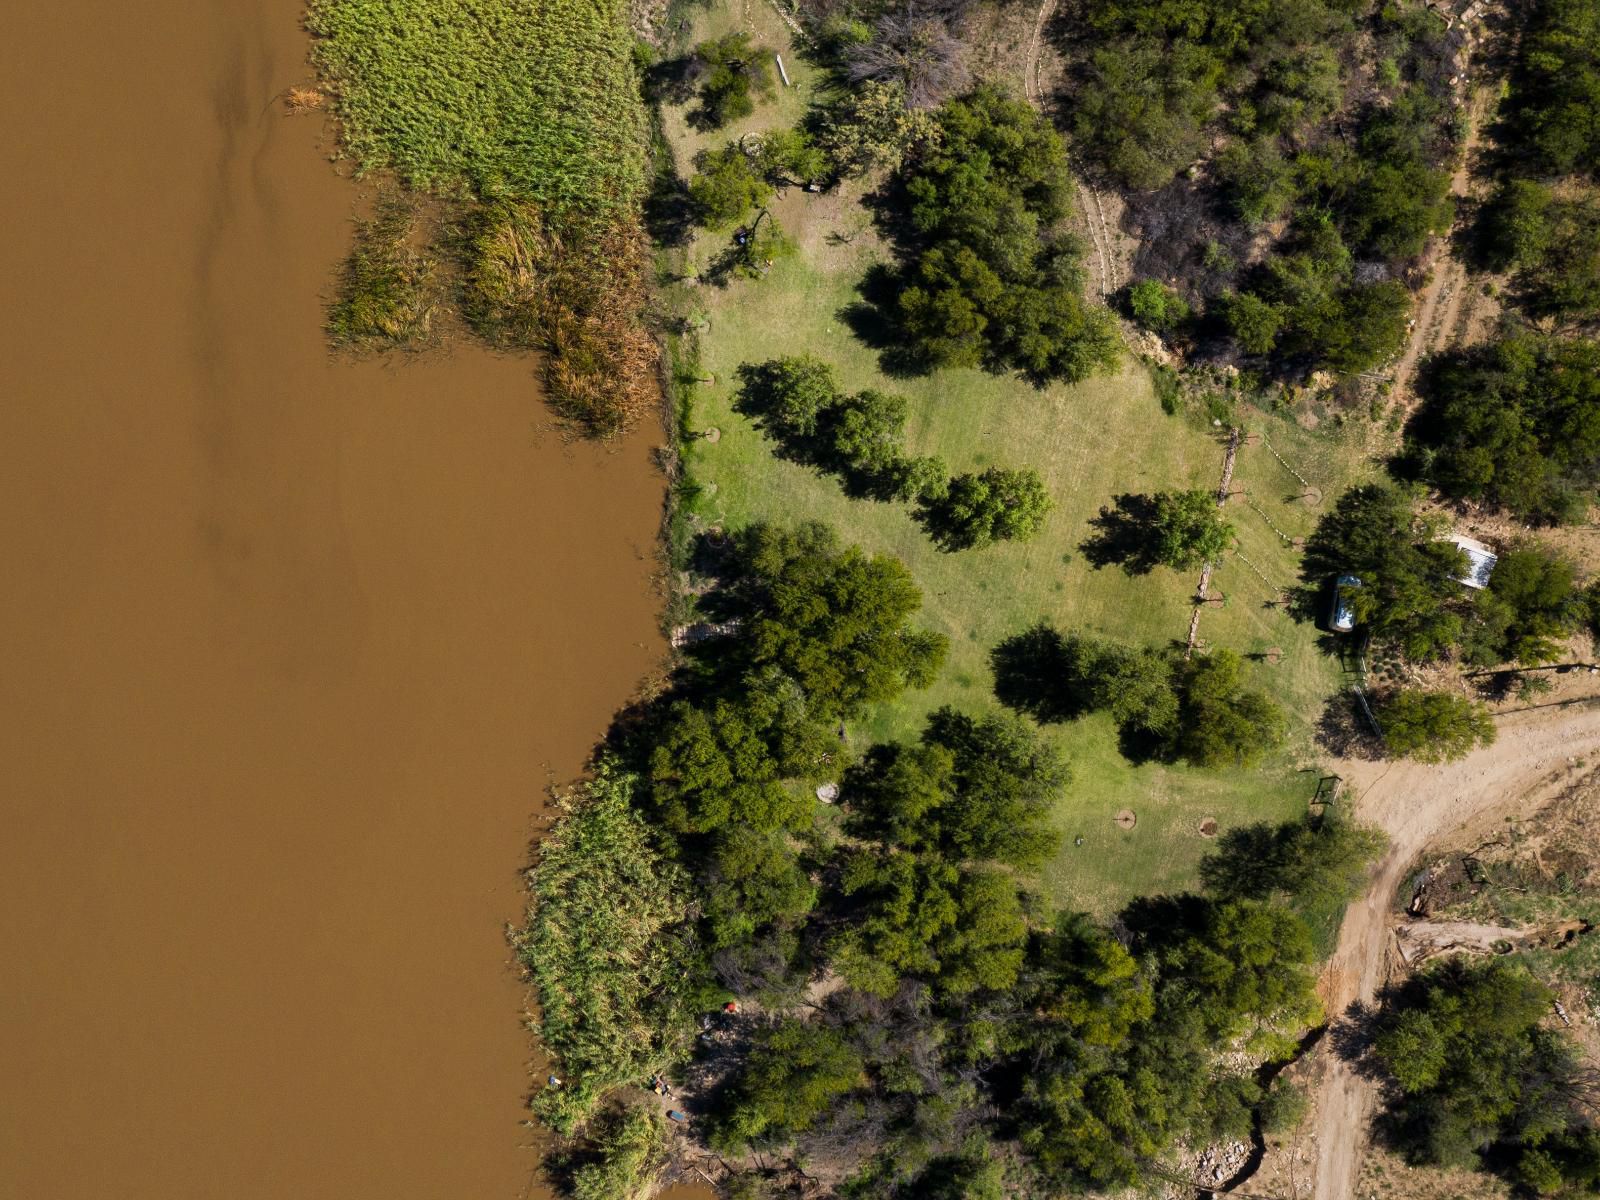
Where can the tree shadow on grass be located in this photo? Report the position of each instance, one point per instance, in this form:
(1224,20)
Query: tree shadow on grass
(1033,673)
(1124,536)
(875,321)
(1342,730)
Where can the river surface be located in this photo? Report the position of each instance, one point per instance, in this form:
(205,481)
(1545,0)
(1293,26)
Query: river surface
(289,648)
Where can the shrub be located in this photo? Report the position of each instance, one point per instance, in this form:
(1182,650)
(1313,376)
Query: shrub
(1433,727)
(1157,307)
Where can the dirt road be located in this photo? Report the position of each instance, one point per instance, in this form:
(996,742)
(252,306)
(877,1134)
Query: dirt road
(1441,309)
(1536,755)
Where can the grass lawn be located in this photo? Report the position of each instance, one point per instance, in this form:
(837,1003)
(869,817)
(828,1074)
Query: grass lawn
(1088,442)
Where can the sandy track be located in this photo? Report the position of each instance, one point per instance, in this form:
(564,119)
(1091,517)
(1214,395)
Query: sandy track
(1440,313)
(1536,755)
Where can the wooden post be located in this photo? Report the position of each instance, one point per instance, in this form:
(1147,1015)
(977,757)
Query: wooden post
(778,58)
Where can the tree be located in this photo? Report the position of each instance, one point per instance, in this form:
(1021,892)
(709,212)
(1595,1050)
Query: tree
(1555,94)
(726,762)
(961,928)
(1221,723)
(993,506)
(795,1071)
(789,396)
(1531,602)
(1433,727)
(1188,529)
(871,125)
(726,186)
(973,789)
(752,879)
(1246,969)
(733,69)
(1316,863)
(973,1173)
(868,429)
(1006,781)
(1408,595)
(789,156)
(832,619)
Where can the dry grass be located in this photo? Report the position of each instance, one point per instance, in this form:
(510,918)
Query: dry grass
(299,100)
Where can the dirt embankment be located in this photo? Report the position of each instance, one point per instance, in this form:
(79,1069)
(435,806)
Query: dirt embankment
(1537,754)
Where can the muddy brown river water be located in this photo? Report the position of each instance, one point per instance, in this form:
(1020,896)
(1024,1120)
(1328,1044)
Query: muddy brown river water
(289,648)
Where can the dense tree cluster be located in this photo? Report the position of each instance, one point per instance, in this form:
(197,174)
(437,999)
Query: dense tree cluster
(1550,243)
(1256,104)
(1410,594)
(1480,1079)
(1514,424)
(952,991)
(991,277)
(1555,96)
(860,438)
(1197,711)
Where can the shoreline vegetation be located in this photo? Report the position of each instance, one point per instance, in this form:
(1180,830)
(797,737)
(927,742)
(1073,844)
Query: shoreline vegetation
(939,863)
(487,118)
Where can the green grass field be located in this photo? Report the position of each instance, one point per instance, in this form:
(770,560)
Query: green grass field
(1089,443)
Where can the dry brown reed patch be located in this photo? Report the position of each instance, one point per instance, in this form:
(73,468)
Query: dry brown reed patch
(298,101)
(575,289)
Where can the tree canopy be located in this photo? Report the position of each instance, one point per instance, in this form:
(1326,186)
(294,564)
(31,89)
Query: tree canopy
(991,277)
(833,619)
(1515,424)
(1480,1081)
(1433,727)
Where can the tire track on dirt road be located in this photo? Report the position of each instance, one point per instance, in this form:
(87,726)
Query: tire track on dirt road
(1033,88)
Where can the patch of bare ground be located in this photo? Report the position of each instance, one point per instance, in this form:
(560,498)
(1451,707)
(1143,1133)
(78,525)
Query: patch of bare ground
(1539,754)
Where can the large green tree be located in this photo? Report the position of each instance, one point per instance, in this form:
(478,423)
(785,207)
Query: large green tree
(833,619)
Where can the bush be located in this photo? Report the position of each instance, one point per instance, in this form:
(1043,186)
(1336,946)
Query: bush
(1433,727)
(1155,306)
